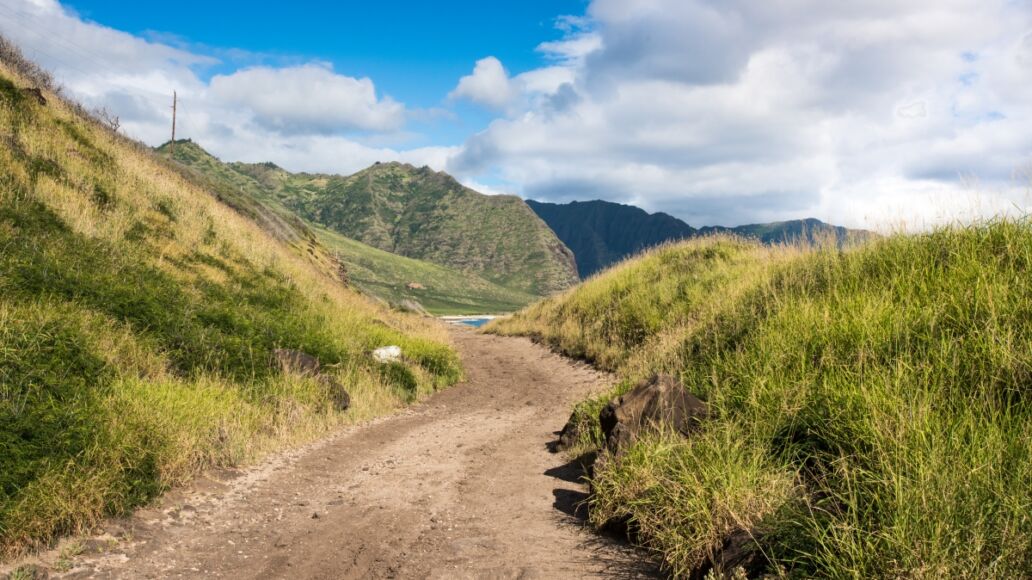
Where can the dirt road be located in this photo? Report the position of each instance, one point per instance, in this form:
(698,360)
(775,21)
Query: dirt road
(460,486)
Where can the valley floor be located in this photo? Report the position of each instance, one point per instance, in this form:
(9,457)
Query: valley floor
(461,486)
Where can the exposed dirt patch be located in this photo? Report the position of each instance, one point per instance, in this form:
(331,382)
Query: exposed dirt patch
(461,486)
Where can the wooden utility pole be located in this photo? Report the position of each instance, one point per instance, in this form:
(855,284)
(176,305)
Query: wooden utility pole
(172,146)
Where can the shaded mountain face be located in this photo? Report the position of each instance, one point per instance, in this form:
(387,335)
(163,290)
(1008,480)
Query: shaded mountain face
(418,213)
(601,233)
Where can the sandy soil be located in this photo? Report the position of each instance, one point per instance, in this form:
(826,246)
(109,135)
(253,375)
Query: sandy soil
(460,486)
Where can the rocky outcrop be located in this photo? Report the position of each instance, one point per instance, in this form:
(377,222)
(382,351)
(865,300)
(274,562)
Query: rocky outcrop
(739,556)
(660,401)
(297,362)
(570,434)
(387,354)
(303,364)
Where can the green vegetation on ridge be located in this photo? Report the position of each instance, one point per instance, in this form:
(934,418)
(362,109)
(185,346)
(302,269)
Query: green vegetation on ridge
(251,189)
(870,415)
(429,216)
(138,316)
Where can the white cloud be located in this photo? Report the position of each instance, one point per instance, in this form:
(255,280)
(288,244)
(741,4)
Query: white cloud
(725,111)
(732,112)
(301,117)
(308,98)
(573,49)
(489,85)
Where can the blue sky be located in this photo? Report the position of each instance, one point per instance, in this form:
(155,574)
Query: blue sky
(413,50)
(877,114)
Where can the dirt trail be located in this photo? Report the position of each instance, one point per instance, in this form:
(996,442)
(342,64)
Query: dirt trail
(461,486)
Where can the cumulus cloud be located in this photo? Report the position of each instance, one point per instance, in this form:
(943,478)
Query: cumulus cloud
(306,117)
(717,111)
(736,111)
(489,85)
(309,98)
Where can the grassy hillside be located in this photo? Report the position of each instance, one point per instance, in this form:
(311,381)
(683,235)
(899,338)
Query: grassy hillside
(443,290)
(417,213)
(870,415)
(251,187)
(137,321)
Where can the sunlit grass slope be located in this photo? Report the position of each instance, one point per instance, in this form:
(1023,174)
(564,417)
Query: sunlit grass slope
(137,321)
(871,415)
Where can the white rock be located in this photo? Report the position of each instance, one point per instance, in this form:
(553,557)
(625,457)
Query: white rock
(386,354)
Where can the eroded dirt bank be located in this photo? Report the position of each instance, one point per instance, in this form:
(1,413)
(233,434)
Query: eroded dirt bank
(461,486)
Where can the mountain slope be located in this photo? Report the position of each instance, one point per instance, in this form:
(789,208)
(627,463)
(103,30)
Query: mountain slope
(426,215)
(601,233)
(868,409)
(138,323)
(808,230)
(441,290)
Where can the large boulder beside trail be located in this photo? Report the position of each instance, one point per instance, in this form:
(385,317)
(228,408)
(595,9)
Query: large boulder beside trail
(658,402)
(338,394)
(297,362)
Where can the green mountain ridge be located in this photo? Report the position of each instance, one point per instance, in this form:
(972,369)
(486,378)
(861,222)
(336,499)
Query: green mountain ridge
(808,230)
(251,189)
(414,212)
(602,233)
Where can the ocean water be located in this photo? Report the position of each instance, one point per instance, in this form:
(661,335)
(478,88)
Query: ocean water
(475,322)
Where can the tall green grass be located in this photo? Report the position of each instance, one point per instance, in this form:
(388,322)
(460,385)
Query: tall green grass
(138,319)
(871,414)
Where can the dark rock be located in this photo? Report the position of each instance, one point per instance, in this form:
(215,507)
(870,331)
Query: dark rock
(569,435)
(340,396)
(295,361)
(660,401)
(739,551)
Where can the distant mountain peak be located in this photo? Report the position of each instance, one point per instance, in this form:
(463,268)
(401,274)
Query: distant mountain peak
(415,212)
(601,233)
